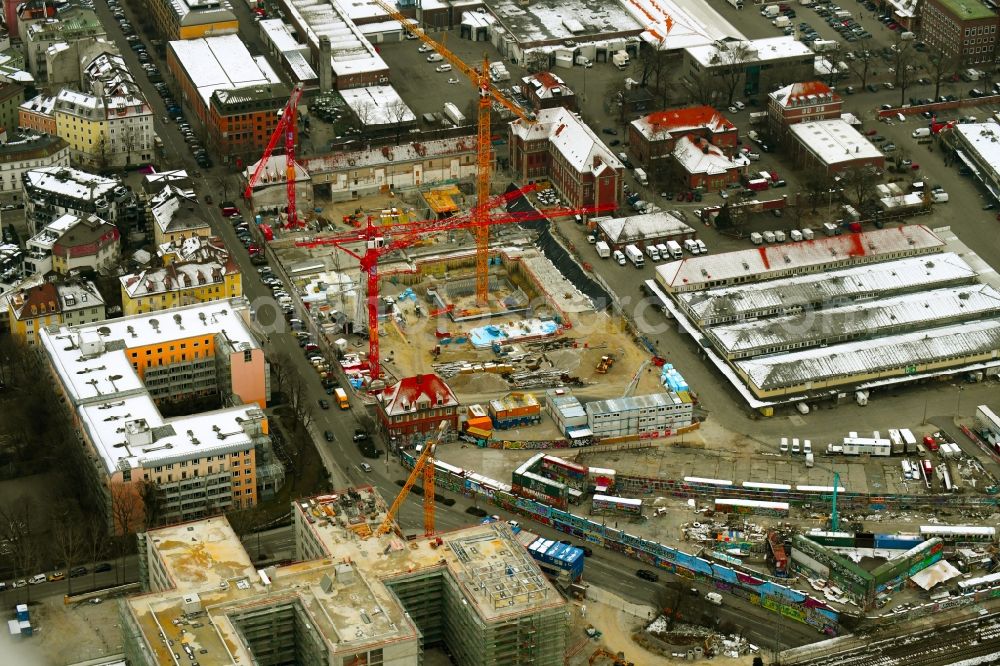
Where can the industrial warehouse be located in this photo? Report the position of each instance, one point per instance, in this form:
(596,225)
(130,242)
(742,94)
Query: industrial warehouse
(354,595)
(837,314)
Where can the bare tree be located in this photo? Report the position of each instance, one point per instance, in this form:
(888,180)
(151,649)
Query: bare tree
(95,540)
(69,542)
(152,503)
(102,153)
(941,65)
(365,113)
(125,512)
(817,182)
(129,138)
(859,184)
(398,112)
(861,65)
(904,65)
(730,61)
(702,88)
(16,529)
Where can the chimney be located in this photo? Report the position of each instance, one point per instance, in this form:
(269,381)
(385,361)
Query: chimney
(325,68)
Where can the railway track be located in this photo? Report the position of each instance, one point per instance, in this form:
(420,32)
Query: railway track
(961,643)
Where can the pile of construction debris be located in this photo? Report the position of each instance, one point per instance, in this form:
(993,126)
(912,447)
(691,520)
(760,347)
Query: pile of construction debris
(688,641)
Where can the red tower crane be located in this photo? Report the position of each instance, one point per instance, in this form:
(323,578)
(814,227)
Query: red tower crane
(382,240)
(288,128)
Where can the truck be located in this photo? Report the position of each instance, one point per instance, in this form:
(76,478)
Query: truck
(757,184)
(824,45)
(603,249)
(498,72)
(584,61)
(453,114)
(634,255)
(620,60)
(781,22)
(738,4)
(810,459)
(714,598)
(341,396)
(640,175)
(909,441)
(771,11)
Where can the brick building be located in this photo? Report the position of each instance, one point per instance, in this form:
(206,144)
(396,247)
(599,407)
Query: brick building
(413,407)
(190,19)
(38,114)
(563,149)
(241,121)
(545,90)
(706,165)
(654,136)
(962,28)
(800,103)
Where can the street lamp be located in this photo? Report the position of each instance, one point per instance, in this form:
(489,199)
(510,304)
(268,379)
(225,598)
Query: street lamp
(958,405)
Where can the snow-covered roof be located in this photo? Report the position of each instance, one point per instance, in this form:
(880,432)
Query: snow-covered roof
(951,344)
(806,93)
(787,294)
(983,139)
(834,141)
(764,262)
(571,137)
(407,395)
(197,12)
(758,50)
(869,319)
(376,105)
(671,25)
(70,183)
(177,275)
(408,152)
(95,370)
(696,155)
(175,210)
(41,104)
(280,36)
(641,227)
(546,85)
(221,63)
(662,125)
(90,227)
(350,52)
(535,22)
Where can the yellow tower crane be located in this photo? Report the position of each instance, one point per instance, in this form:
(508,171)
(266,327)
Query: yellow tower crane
(487,94)
(425,464)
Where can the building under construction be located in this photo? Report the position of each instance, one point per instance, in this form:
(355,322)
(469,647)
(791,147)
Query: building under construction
(350,598)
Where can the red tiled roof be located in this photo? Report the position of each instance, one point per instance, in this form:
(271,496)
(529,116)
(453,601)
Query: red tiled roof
(404,395)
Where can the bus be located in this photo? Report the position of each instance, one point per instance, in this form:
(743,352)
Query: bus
(602,504)
(697,480)
(341,396)
(960,535)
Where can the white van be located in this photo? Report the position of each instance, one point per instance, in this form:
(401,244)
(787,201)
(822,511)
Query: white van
(652,252)
(691,246)
(714,598)
(619,256)
(443,68)
(921,132)
(663,250)
(783,447)
(675,249)
(702,248)
(807,447)
(795,445)
(939,197)
(37,579)
(435,57)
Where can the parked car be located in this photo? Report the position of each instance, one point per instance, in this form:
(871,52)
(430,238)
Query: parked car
(646,574)
(328,435)
(324,403)
(76,572)
(102,567)
(57,575)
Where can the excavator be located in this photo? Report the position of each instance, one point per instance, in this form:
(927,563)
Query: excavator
(616,659)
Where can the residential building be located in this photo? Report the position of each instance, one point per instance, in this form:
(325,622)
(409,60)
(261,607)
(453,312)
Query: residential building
(176,215)
(50,192)
(832,146)
(642,230)
(345,175)
(191,19)
(72,242)
(11,265)
(65,62)
(270,192)
(351,597)
(644,416)
(413,407)
(181,283)
(37,114)
(111,126)
(242,120)
(154,183)
(11,96)
(962,29)
(561,148)
(72,302)
(703,165)
(72,24)
(653,137)
(28,151)
(13,67)
(749,68)
(203,66)
(115,375)
(546,90)
(801,103)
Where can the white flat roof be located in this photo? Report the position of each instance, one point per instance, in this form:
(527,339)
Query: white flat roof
(547,21)
(761,50)
(375,105)
(640,227)
(869,357)
(834,141)
(221,63)
(94,368)
(849,283)
(350,51)
(280,35)
(758,263)
(71,183)
(984,139)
